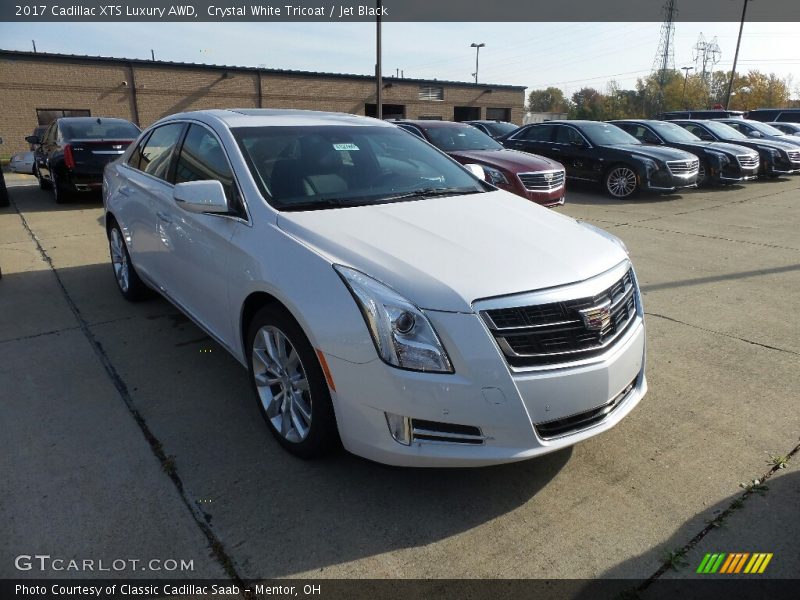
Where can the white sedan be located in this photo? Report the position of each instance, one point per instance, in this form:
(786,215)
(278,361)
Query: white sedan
(22,163)
(381,296)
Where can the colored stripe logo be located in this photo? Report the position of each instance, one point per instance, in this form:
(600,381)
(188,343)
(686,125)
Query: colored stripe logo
(734,563)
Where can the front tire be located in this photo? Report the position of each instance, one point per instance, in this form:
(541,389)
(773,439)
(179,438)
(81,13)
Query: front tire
(702,175)
(621,182)
(59,193)
(129,284)
(289,384)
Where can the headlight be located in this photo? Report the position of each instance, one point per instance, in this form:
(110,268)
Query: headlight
(494,176)
(403,335)
(721,158)
(609,236)
(650,165)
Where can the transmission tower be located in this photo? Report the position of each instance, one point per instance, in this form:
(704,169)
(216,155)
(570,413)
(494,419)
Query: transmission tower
(706,55)
(665,56)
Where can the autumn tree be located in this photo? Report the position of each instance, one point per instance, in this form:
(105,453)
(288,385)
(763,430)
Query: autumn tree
(551,99)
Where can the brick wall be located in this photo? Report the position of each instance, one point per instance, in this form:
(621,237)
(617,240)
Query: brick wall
(105,87)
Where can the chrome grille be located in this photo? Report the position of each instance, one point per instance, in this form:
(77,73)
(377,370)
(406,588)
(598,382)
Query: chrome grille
(683,167)
(794,155)
(558,332)
(543,181)
(747,161)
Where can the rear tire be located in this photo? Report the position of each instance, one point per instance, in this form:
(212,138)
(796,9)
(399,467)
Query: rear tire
(129,284)
(289,385)
(43,183)
(60,195)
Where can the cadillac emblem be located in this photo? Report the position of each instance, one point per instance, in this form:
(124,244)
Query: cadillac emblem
(597,318)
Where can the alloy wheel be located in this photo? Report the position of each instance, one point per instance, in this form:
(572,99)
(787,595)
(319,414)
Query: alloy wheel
(119,259)
(621,182)
(701,174)
(282,384)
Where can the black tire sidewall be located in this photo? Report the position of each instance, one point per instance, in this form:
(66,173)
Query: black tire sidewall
(323,437)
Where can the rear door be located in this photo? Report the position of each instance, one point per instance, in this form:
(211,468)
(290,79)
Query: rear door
(196,261)
(536,139)
(144,193)
(42,152)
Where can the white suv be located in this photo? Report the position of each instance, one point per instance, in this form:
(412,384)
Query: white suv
(380,294)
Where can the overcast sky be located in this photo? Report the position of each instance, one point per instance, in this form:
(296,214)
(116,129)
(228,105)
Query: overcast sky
(535,55)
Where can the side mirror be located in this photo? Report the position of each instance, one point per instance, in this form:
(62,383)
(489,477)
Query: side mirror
(33,139)
(706,137)
(201,197)
(577,144)
(476,170)
(754,134)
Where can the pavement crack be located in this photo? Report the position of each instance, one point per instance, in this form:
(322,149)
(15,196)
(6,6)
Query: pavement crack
(167,462)
(722,333)
(715,237)
(736,504)
(38,335)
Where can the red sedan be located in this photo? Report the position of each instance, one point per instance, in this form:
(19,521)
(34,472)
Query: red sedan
(536,178)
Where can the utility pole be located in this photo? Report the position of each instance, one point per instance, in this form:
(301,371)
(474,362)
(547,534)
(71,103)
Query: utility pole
(34,46)
(736,56)
(685,79)
(378,73)
(477,55)
(152,54)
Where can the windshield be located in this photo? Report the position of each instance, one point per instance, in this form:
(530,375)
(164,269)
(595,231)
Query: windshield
(606,134)
(499,128)
(673,133)
(724,131)
(98,130)
(464,137)
(765,129)
(306,168)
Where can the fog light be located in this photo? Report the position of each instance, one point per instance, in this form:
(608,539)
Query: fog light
(400,428)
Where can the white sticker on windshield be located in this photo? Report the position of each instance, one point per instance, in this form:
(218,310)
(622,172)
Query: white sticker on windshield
(345,147)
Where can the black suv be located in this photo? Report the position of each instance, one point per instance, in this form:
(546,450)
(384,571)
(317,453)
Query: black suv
(604,153)
(713,113)
(494,129)
(72,153)
(720,162)
(777,158)
(790,115)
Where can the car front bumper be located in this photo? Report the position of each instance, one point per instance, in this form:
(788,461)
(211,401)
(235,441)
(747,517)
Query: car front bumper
(504,404)
(664,181)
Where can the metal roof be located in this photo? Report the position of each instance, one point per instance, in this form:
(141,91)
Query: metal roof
(165,63)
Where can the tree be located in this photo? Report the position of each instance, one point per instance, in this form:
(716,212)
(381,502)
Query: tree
(587,104)
(548,100)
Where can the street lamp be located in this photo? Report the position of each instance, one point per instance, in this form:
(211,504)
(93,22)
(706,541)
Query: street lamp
(477,54)
(685,79)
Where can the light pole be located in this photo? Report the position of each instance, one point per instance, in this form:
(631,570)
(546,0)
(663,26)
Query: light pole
(685,79)
(736,56)
(477,55)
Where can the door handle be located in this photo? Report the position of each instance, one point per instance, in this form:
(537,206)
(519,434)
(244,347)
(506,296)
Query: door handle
(124,190)
(164,217)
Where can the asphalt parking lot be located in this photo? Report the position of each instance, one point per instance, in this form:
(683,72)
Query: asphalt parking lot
(126,432)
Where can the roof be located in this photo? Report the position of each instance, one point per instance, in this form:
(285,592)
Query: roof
(430,123)
(172,64)
(260,117)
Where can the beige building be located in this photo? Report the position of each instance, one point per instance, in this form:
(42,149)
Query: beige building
(37,87)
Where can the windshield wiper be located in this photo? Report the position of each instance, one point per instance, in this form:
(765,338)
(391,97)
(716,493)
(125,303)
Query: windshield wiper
(431,192)
(322,203)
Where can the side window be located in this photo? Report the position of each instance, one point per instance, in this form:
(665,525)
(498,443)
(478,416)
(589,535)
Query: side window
(202,158)
(157,152)
(645,135)
(568,135)
(738,127)
(49,135)
(698,131)
(414,130)
(537,133)
(136,155)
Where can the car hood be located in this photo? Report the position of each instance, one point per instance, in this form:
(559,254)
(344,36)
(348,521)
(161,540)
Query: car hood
(729,148)
(510,160)
(657,152)
(444,253)
(766,143)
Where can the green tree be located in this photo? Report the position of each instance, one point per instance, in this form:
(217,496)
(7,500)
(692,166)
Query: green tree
(548,100)
(587,103)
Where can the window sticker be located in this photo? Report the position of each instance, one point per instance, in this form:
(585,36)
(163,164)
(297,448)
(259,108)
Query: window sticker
(345,147)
